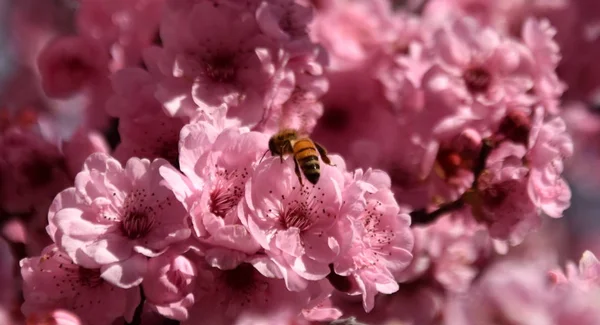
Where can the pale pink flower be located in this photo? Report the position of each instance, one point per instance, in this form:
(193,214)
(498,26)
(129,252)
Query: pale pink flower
(382,240)
(254,287)
(123,27)
(214,53)
(351,30)
(217,169)
(54,281)
(70,63)
(584,276)
(477,73)
(300,227)
(513,293)
(549,145)
(57,317)
(541,62)
(117,216)
(169,284)
(447,252)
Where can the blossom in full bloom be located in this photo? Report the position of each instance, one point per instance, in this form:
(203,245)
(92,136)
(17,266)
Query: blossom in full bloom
(300,227)
(116,217)
(53,281)
(382,241)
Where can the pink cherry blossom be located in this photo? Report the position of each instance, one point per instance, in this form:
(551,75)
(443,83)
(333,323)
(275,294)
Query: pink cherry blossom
(53,281)
(501,200)
(122,27)
(69,63)
(169,284)
(300,227)
(382,241)
(217,171)
(549,144)
(351,30)
(254,287)
(584,276)
(116,216)
(515,293)
(477,74)
(447,252)
(225,71)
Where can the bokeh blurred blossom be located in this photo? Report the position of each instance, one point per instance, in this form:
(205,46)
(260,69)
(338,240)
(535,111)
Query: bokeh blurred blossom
(163,162)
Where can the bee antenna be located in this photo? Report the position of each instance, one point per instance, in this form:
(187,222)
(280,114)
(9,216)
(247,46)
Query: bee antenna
(263,156)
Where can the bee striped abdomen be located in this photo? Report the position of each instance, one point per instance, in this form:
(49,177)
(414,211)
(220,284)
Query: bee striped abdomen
(307,157)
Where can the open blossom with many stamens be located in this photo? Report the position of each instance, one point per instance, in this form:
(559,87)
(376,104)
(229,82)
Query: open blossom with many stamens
(116,216)
(382,240)
(53,281)
(300,227)
(217,171)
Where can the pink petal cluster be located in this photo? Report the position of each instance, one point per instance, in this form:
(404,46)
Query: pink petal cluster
(135,155)
(509,294)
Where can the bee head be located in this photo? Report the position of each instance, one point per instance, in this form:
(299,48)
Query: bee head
(274,148)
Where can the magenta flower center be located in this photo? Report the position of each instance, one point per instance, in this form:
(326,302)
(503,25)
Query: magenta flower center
(516,126)
(477,79)
(296,216)
(221,68)
(228,192)
(136,224)
(89,277)
(496,194)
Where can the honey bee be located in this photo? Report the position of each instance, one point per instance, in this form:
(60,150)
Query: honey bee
(287,141)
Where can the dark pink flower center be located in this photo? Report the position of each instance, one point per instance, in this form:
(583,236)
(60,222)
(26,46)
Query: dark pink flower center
(89,277)
(477,79)
(136,224)
(221,68)
(228,191)
(296,216)
(335,118)
(495,195)
(516,126)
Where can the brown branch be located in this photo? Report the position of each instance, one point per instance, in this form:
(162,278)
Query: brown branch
(422,217)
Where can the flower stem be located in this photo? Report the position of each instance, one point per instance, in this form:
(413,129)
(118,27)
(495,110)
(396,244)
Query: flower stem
(137,316)
(422,217)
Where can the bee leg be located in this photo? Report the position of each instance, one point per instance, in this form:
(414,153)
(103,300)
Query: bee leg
(297,170)
(323,154)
